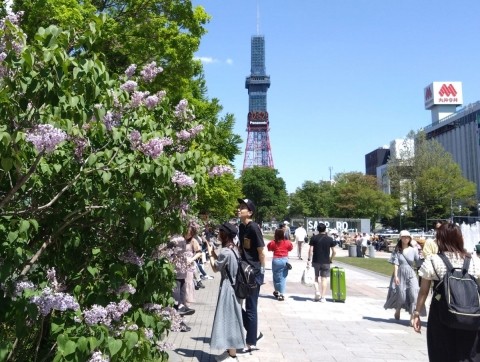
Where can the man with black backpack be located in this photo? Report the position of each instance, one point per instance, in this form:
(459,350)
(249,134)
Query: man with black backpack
(454,315)
(251,246)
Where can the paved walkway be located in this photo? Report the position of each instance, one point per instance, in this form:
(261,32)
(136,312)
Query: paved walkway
(301,330)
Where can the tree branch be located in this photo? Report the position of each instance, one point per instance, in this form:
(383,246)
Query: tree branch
(50,240)
(22,181)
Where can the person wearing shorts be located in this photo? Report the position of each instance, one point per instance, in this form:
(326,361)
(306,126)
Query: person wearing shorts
(321,254)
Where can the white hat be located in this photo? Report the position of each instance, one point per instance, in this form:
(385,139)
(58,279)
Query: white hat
(286,222)
(405,233)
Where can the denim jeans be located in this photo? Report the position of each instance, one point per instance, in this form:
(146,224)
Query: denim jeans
(250,317)
(280,272)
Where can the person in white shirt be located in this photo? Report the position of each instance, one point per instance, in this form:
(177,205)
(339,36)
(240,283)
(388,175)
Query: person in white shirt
(365,243)
(286,227)
(300,235)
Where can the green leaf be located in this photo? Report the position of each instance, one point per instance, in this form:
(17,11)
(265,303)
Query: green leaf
(147,223)
(70,347)
(82,344)
(131,339)
(57,167)
(114,345)
(7,163)
(106,177)
(92,270)
(34,223)
(12,236)
(131,171)
(24,226)
(147,206)
(57,328)
(92,159)
(96,251)
(92,341)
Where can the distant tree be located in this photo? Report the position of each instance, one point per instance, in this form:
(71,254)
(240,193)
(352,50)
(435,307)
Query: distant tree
(358,196)
(217,199)
(312,199)
(428,181)
(268,191)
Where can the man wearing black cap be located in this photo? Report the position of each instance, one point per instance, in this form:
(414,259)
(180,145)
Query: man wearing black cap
(251,246)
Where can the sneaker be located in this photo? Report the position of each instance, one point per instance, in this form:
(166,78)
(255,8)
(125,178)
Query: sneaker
(207,277)
(275,294)
(183,310)
(317,297)
(225,356)
(281,298)
(260,336)
(323,300)
(184,327)
(247,350)
(200,285)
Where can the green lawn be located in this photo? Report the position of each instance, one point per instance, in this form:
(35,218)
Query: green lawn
(381,266)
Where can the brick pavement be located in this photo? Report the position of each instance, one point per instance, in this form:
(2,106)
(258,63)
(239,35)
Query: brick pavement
(299,329)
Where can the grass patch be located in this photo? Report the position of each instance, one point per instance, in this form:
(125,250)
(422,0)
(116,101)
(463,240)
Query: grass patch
(381,266)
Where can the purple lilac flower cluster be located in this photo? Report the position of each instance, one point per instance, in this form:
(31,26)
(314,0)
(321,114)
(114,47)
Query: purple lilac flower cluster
(152,148)
(168,313)
(132,258)
(150,71)
(182,112)
(15,42)
(21,286)
(80,144)
(50,300)
(104,315)
(184,207)
(3,69)
(220,170)
(150,101)
(131,70)
(148,332)
(98,357)
(129,86)
(137,98)
(135,139)
(126,288)
(175,319)
(192,132)
(111,119)
(45,137)
(164,346)
(52,278)
(182,180)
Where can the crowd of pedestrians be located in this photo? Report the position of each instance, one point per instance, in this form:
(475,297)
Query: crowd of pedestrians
(416,264)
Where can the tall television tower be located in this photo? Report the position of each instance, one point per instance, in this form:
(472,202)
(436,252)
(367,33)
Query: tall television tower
(257,149)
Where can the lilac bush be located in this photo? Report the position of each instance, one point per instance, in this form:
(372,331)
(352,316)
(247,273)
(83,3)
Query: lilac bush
(99,175)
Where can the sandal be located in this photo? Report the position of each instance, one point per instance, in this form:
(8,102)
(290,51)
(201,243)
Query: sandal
(281,297)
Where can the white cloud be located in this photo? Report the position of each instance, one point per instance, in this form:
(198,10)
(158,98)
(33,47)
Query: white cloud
(210,60)
(207,60)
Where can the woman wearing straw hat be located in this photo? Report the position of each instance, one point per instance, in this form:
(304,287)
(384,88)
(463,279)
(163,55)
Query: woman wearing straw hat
(403,290)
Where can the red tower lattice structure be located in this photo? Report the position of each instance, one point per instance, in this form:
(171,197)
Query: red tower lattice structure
(257,150)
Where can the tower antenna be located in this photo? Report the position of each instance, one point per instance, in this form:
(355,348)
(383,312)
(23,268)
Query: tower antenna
(258,18)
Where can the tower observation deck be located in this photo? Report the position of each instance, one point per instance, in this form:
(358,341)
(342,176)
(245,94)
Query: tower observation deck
(257,149)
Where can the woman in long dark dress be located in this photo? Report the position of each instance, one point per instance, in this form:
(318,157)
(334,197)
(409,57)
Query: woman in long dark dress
(445,343)
(227,330)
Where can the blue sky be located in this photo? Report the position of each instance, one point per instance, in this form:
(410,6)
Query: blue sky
(347,76)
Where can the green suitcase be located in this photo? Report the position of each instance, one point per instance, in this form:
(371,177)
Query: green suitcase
(338,284)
